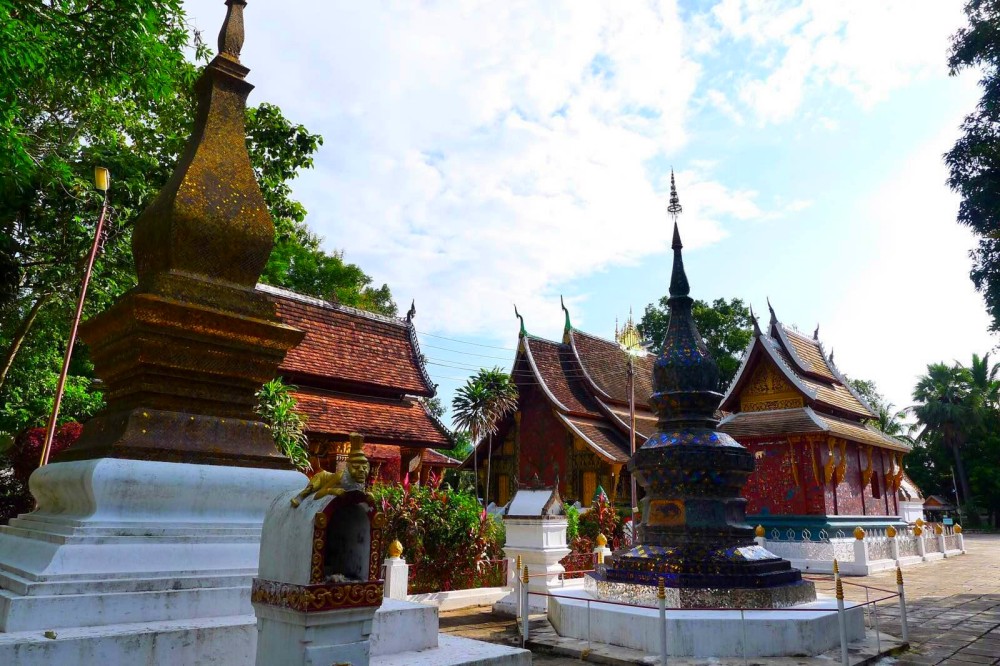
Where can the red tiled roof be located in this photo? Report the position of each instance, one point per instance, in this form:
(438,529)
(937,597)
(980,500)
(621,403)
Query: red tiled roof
(382,452)
(560,376)
(604,440)
(344,347)
(436,459)
(381,421)
(605,364)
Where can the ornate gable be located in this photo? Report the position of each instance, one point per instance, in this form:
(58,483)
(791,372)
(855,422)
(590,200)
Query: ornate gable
(768,389)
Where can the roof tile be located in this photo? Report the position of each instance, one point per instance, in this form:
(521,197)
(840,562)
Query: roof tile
(399,422)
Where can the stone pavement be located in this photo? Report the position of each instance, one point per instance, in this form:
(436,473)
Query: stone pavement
(953,609)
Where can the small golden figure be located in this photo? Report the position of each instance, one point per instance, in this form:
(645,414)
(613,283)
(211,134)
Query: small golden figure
(325,483)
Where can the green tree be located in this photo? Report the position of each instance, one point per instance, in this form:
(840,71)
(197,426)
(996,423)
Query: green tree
(946,409)
(725,325)
(479,406)
(108,83)
(974,160)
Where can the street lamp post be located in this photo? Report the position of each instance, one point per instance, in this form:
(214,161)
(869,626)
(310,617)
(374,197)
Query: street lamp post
(102,181)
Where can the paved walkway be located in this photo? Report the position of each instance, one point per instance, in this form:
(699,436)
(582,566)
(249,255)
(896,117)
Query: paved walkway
(953,610)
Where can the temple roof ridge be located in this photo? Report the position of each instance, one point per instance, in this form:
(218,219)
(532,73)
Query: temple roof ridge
(329,305)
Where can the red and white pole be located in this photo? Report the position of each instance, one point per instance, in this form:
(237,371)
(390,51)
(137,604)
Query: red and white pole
(102,180)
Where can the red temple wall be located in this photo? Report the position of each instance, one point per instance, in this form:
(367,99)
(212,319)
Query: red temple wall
(772,489)
(543,441)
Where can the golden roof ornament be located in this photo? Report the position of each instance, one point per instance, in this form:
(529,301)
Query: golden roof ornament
(628,338)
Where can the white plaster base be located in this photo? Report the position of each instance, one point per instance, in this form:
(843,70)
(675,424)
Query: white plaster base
(127,542)
(401,625)
(456,599)
(216,641)
(538,603)
(706,633)
(457,651)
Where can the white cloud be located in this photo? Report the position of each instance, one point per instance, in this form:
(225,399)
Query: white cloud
(479,154)
(868,49)
(914,304)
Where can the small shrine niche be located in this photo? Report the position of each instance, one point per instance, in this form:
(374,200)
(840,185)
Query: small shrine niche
(348,541)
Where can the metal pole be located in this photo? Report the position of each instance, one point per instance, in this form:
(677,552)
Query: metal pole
(844,659)
(631,439)
(902,605)
(954,485)
(50,429)
(525,607)
(743,624)
(588,624)
(661,599)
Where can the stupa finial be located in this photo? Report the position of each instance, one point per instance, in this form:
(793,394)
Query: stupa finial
(231,34)
(674,207)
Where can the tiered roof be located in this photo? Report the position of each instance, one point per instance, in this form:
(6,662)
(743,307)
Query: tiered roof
(585,380)
(829,403)
(356,371)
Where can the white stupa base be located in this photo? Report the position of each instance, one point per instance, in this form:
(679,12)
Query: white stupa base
(691,633)
(457,651)
(156,556)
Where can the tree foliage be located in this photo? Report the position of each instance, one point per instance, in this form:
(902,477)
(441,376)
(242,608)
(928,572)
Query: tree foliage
(725,325)
(108,84)
(974,160)
(958,410)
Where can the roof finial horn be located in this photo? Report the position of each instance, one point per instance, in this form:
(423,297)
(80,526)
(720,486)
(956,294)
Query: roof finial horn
(770,308)
(566,325)
(816,332)
(518,315)
(412,312)
(756,326)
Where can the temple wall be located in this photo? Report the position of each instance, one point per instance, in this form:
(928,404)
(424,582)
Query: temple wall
(543,442)
(774,488)
(848,490)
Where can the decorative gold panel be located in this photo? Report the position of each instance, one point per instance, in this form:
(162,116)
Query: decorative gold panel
(768,389)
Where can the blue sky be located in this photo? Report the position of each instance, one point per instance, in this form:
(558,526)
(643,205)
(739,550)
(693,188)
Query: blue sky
(479,154)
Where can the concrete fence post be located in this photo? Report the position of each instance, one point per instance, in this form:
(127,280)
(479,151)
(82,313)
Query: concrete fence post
(525,607)
(918,532)
(902,605)
(758,535)
(841,615)
(861,551)
(661,599)
(893,543)
(961,538)
(397,573)
(939,534)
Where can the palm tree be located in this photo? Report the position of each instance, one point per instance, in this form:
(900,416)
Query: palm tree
(892,422)
(947,408)
(479,406)
(983,381)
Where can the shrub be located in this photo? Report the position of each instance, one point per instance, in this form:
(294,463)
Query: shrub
(276,407)
(447,537)
(21,458)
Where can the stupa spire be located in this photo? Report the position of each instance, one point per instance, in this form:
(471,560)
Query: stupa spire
(678,278)
(183,354)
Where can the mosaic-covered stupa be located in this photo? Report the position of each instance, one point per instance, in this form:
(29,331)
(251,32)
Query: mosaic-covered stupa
(693,533)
